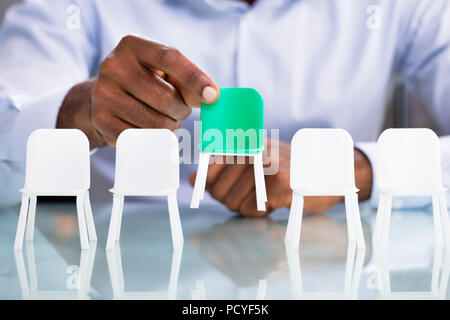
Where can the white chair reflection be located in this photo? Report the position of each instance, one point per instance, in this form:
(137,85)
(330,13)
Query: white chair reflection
(261,291)
(114,258)
(353,270)
(199,293)
(29,280)
(439,277)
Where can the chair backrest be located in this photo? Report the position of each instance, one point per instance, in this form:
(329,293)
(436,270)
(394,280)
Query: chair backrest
(408,161)
(147,159)
(234,124)
(58,160)
(322,160)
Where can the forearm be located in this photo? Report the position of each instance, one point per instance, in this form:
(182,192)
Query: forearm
(75,112)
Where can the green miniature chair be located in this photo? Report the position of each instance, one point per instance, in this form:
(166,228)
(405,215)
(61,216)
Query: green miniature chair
(232,126)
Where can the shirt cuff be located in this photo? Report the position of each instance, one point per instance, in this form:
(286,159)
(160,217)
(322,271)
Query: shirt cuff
(23,119)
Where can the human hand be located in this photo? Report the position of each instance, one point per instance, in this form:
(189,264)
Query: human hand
(141,84)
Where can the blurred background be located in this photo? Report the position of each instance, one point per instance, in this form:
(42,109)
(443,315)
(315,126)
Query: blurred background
(404,110)
(4,4)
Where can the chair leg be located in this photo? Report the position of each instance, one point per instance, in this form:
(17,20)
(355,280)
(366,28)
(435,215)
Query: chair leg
(89,218)
(350,219)
(290,223)
(82,222)
(175,223)
(112,233)
(379,218)
(357,223)
(200,180)
(295,222)
(119,223)
(386,221)
(21,223)
(202,189)
(437,220)
(29,234)
(445,218)
(260,185)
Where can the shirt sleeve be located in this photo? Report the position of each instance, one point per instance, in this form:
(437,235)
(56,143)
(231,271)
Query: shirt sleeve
(46,46)
(425,58)
(424,62)
(425,65)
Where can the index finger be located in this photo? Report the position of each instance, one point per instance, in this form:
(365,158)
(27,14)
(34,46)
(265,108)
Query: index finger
(172,62)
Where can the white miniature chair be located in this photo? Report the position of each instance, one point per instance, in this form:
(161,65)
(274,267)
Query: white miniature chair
(322,164)
(408,164)
(57,164)
(114,259)
(147,164)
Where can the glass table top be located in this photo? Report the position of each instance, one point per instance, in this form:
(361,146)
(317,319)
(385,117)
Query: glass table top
(224,257)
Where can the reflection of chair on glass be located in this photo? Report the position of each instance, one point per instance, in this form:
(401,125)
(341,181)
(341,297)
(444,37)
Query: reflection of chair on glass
(114,258)
(261,291)
(353,268)
(233,126)
(408,164)
(199,292)
(57,164)
(147,164)
(29,284)
(322,164)
(439,278)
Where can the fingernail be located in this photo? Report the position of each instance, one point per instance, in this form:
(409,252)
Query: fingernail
(209,94)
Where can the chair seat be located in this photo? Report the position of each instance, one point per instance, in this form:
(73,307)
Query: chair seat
(143,193)
(414,193)
(322,192)
(53,193)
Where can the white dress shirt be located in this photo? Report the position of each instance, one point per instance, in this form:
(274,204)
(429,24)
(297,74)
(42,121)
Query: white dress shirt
(317,63)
